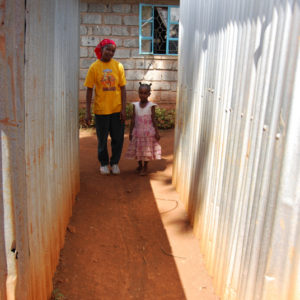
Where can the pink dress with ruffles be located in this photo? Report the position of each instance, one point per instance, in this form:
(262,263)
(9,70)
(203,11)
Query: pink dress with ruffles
(143,145)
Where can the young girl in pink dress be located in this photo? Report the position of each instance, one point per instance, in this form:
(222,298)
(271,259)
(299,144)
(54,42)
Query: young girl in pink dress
(143,134)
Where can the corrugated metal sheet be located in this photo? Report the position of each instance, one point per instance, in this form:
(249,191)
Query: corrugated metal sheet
(39,140)
(237,160)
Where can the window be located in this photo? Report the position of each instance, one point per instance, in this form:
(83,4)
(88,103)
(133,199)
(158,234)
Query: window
(158,29)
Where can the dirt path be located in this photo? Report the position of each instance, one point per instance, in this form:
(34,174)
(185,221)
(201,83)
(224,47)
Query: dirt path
(123,232)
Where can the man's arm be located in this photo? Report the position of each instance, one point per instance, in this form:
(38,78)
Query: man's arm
(123,98)
(88,115)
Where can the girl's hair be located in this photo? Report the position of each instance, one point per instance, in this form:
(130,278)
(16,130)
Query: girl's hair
(145,85)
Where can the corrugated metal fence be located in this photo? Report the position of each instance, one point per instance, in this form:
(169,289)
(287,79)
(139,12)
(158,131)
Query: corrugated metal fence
(39,140)
(237,160)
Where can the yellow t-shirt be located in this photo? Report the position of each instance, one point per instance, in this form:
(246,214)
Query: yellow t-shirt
(107,77)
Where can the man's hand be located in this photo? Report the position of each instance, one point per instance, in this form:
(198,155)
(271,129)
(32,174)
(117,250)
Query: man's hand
(123,115)
(88,118)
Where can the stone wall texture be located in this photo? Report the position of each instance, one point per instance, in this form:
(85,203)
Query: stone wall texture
(120,22)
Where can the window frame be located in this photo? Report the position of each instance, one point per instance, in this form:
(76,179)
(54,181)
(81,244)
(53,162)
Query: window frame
(151,38)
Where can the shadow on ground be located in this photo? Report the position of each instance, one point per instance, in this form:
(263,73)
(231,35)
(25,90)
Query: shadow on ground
(116,246)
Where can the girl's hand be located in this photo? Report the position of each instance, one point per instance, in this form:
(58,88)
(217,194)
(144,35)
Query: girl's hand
(157,136)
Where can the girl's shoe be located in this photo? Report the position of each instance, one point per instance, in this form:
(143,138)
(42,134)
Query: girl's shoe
(115,169)
(104,170)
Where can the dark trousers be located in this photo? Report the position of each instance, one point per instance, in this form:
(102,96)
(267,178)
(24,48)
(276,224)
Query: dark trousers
(112,125)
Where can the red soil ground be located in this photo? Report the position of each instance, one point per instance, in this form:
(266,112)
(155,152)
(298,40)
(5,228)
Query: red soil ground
(129,236)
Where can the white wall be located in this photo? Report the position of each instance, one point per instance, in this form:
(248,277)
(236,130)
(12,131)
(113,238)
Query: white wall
(39,141)
(238,142)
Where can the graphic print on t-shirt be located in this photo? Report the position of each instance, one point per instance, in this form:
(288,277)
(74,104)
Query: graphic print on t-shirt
(108,80)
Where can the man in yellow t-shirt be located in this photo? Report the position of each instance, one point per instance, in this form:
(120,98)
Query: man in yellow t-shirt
(108,77)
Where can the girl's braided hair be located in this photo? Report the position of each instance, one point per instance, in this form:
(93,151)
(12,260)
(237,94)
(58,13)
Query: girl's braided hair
(145,85)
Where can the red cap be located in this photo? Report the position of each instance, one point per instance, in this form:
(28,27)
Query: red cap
(99,47)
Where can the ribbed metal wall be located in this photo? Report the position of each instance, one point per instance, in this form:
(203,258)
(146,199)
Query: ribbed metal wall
(237,141)
(39,140)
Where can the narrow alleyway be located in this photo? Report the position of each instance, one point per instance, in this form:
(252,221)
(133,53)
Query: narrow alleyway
(129,237)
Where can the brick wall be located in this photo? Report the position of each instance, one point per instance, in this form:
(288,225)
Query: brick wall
(120,23)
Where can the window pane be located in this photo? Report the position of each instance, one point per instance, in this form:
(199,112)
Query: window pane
(160,29)
(147,29)
(146,12)
(146,46)
(174,30)
(174,14)
(173,47)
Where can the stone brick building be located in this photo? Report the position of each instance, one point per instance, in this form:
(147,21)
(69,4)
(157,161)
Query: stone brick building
(121,21)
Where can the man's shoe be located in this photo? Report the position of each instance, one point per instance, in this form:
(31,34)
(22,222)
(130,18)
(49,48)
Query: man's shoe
(115,169)
(104,170)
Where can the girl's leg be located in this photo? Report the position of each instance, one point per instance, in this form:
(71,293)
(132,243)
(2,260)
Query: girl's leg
(140,167)
(145,169)
(145,166)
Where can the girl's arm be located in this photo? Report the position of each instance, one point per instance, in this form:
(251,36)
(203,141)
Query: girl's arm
(132,123)
(157,136)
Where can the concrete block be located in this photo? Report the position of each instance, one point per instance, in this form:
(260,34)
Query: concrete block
(86,62)
(131,20)
(120,30)
(83,30)
(102,30)
(82,95)
(121,8)
(161,86)
(135,9)
(128,64)
(153,75)
(89,41)
(134,31)
(132,96)
(155,96)
(92,52)
(135,53)
(82,73)
(140,64)
(81,84)
(119,42)
(173,86)
(129,86)
(122,53)
(98,7)
(145,64)
(168,97)
(91,19)
(131,43)
(164,65)
(90,30)
(112,20)
(134,75)
(84,52)
(169,75)
(136,85)
(175,65)
(83,7)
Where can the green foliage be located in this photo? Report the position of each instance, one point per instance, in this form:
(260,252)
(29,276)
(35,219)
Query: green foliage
(82,123)
(165,118)
(57,295)
(129,111)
